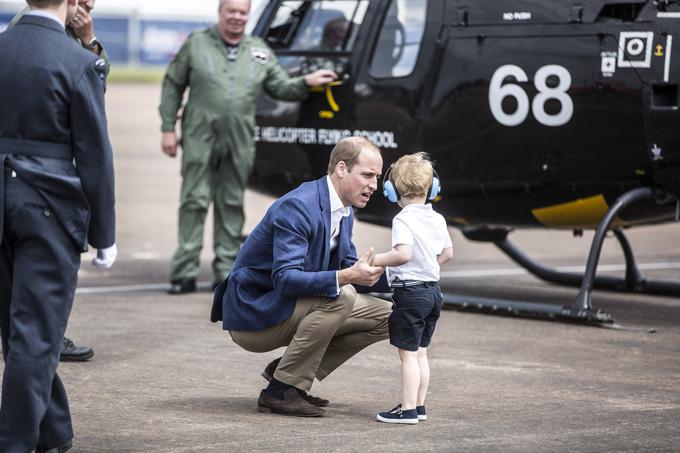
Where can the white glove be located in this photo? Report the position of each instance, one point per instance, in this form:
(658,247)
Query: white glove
(105,257)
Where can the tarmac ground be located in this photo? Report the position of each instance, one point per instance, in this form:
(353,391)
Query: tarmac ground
(164,379)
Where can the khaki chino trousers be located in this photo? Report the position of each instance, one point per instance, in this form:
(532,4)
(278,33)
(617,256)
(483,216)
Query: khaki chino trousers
(321,335)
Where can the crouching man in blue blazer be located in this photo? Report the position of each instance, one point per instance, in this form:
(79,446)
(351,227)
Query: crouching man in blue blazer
(292,283)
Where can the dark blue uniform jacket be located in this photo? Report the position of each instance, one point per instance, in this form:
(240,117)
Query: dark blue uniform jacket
(61,150)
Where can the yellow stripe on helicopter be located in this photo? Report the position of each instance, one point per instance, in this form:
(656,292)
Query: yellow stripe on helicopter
(581,213)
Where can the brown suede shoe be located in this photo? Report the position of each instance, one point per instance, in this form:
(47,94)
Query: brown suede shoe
(313,400)
(291,404)
(268,374)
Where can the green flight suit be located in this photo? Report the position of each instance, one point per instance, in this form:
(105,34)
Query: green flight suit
(218,138)
(70,32)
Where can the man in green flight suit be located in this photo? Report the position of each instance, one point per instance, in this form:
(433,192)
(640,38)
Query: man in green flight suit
(81,29)
(225,70)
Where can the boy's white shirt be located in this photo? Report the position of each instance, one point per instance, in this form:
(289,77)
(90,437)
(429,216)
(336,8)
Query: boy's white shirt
(425,230)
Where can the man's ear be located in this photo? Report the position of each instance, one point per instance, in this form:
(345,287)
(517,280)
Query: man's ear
(341,169)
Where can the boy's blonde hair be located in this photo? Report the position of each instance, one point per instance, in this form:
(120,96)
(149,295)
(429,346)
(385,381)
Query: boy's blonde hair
(412,175)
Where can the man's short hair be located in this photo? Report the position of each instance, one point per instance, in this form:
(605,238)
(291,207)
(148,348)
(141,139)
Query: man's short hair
(44,3)
(347,150)
(412,175)
(222,2)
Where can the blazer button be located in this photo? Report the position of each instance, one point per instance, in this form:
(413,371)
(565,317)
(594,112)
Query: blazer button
(46,212)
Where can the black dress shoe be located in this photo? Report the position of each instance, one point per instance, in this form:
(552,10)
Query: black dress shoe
(291,404)
(66,447)
(268,374)
(182,286)
(71,352)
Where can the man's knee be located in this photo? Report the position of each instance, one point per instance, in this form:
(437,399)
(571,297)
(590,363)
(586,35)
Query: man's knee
(251,341)
(195,203)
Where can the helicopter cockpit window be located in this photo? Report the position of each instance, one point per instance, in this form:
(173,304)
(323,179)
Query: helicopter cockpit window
(328,26)
(398,46)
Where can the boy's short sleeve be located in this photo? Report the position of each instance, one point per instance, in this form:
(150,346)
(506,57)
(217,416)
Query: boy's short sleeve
(445,232)
(401,233)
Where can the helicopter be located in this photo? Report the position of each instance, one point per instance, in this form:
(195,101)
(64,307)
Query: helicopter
(538,113)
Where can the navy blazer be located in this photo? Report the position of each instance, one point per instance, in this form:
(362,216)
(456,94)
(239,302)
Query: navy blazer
(287,257)
(53,130)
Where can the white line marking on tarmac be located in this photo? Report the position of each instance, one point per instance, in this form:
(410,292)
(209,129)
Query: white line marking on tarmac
(133,288)
(477,273)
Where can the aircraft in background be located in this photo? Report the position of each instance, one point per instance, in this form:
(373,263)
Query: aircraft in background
(543,113)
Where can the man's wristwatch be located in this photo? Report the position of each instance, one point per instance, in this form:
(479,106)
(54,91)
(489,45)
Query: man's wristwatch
(92,45)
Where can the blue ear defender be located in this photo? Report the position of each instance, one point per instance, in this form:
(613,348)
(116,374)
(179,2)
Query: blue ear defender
(435,188)
(391,193)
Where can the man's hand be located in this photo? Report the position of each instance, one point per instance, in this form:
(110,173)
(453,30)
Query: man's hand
(361,273)
(320,77)
(169,143)
(82,25)
(105,257)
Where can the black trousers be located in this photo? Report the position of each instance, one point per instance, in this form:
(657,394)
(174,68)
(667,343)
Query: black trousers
(38,274)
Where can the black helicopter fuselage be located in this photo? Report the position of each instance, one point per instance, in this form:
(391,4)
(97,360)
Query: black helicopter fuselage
(536,113)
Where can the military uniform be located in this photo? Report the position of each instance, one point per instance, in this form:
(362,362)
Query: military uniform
(70,352)
(218,127)
(56,196)
(69,31)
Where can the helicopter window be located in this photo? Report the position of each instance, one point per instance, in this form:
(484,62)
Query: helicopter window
(625,12)
(398,46)
(322,26)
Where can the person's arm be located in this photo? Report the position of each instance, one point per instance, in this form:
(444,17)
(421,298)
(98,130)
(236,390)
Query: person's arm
(361,273)
(379,285)
(281,86)
(175,83)
(402,246)
(445,256)
(400,254)
(82,28)
(447,252)
(93,155)
(292,228)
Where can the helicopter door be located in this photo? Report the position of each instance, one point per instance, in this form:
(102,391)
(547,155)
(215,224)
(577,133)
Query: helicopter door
(396,73)
(306,36)
(662,103)
(312,35)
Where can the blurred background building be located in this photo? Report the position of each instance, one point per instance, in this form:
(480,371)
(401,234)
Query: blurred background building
(143,33)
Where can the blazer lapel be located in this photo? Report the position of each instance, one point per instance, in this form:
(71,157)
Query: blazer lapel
(342,249)
(325,209)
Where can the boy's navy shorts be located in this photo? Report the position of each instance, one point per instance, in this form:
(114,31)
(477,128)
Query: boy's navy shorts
(414,315)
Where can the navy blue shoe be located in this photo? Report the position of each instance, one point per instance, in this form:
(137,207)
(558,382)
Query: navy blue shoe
(396,415)
(422,414)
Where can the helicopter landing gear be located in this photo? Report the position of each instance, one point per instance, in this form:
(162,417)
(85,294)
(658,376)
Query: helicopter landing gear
(582,311)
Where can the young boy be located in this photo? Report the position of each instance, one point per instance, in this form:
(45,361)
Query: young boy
(420,243)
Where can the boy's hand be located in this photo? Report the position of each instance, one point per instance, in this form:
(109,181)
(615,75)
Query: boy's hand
(368,256)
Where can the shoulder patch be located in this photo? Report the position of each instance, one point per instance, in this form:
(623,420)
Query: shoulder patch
(100,67)
(259,55)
